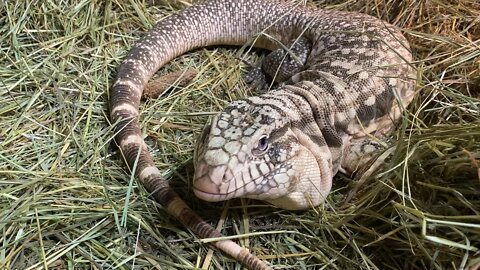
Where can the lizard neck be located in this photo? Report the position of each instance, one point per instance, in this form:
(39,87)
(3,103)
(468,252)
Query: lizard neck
(311,119)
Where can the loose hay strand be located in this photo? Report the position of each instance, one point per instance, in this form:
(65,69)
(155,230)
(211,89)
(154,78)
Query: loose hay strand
(64,186)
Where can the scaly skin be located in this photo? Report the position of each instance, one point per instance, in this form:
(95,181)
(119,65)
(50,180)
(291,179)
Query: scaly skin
(285,145)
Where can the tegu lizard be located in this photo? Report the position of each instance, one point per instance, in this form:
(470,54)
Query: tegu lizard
(340,77)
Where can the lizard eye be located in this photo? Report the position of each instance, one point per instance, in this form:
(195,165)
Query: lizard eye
(261,146)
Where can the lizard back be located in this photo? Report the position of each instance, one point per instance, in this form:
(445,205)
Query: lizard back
(285,145)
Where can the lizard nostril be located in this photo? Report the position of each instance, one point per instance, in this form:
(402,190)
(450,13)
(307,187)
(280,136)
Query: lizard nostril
(216,174)
(216,157)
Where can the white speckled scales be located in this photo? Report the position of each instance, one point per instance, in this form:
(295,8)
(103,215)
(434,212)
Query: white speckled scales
(353,78)
(355,81)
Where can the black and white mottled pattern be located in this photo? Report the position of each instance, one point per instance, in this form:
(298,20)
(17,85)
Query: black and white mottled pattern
(353,79)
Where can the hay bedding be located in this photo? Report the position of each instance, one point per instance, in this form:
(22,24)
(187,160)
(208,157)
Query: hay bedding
(67,200)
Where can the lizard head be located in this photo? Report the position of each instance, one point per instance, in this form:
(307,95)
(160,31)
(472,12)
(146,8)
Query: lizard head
(250,150)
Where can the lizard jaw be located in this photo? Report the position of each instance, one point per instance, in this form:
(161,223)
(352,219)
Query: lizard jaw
(212,197)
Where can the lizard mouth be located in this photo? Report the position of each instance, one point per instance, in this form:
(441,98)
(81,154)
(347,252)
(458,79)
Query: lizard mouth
(247,191)
(213,197)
